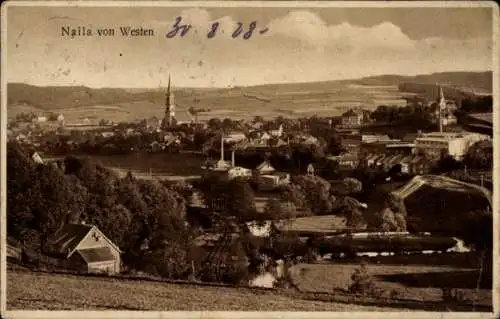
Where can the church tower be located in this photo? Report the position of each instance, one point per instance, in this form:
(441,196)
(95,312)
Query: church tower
(441,108)
(169,118)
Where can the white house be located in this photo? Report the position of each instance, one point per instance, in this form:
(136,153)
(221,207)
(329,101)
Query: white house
(237,171)
(269,182)
(86,248)
(447,143)
(235,137)
(265,137)
(37,158)
(278,132)
(265,168)
(107,134)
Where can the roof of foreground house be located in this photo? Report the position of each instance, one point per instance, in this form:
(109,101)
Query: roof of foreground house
(66,239)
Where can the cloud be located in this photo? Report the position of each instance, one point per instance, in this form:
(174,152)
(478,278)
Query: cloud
(298,47)
(310,29)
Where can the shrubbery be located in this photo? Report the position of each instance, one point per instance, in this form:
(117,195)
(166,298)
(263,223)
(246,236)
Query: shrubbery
(363,283)
(145,219)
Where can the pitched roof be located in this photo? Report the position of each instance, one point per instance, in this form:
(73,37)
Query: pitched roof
(183,116)
(443,183)
(265,165)
(67,238)
(372,157)
(92,255)
(407,159)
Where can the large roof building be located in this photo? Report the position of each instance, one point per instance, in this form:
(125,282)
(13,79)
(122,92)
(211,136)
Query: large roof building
(436,203)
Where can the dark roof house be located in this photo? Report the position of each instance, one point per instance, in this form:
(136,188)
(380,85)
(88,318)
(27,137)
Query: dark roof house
(436,203)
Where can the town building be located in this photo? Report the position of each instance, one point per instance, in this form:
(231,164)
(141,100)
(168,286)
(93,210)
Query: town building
(227,168)
(346,161)
(416,165)
(438,144)
(268,178)
(107,134)
(37,158)
(235,137)
(271,181)
(239,172)
(278,132)
(354,118)
(265,168)
(355,143)
(389,148)
(86,248)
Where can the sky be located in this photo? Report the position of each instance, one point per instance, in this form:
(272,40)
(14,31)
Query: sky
(300,45)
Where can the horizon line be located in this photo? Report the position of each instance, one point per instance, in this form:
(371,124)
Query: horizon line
(249,85)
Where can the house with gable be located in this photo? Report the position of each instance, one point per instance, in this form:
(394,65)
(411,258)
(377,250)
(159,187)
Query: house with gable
(86,248)
(265,168)
(268,178)
(37,158)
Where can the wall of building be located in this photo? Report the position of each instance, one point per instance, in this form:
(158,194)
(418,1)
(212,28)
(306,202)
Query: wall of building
(103,267)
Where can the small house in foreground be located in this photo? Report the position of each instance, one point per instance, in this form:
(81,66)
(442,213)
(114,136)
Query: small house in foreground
(86,248)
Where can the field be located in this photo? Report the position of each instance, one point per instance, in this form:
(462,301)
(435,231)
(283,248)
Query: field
(416,278)
(236,103)
(328,98)
(35,291)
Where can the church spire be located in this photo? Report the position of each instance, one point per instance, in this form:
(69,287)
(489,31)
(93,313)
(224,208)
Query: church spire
(169,106)
(441,108)
(168,87)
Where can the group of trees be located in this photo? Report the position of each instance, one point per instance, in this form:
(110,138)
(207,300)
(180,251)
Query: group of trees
(145,218)
(480,155)
(417,116)
(30,116)
(26,117)
(87,143)
(477,104)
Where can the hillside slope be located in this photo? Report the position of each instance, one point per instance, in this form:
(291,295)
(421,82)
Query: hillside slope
(53,98)
(32,291)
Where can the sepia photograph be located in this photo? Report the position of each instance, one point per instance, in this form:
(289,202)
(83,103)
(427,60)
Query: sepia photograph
(248,156)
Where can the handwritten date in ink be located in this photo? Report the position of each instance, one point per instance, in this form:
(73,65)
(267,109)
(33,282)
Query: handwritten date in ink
(239,31)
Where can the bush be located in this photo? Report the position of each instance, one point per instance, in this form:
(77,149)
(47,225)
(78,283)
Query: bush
(456,295)
(236,274)
(363,284)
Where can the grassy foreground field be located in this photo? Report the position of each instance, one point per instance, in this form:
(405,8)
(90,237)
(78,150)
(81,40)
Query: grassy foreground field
(39,291)
(411,282)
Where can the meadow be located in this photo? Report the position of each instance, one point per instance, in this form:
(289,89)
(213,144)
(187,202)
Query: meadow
(41,291)
(237,103)
(320,287)
(412,277)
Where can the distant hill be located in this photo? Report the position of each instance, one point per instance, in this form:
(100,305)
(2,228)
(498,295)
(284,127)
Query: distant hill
(58,97)
(477,81)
